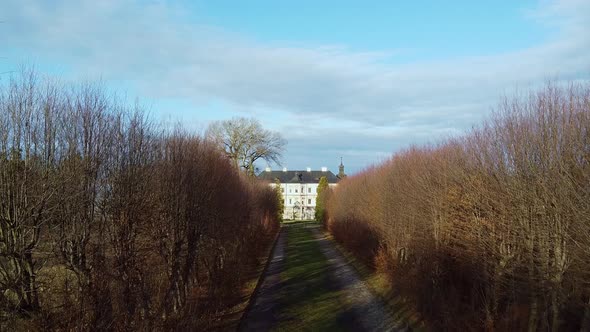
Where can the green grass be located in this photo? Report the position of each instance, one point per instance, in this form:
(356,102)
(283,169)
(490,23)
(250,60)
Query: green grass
(311,303)
(291,221)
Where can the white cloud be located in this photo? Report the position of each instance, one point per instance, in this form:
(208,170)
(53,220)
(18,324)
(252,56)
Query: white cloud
(158,50)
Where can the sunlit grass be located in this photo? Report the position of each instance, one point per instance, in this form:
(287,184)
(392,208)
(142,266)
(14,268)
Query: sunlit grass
(311,302)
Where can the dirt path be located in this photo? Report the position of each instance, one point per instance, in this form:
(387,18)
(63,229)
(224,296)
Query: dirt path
(368,311)
(263,315)
(309,286)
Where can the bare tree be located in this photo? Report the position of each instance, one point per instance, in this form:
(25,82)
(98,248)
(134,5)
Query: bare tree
(108,223)
(245,141)
(27,185)
(490,230)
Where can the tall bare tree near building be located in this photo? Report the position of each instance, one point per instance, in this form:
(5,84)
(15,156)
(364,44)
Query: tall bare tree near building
(244,141)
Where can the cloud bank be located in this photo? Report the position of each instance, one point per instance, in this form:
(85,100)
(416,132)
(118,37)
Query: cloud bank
(331,101)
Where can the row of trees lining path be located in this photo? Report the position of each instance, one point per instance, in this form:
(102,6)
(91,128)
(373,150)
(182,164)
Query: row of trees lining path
(487,231)
(109,221)
(310,286)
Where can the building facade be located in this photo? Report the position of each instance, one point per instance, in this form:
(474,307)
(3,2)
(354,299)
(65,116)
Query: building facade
(300,189)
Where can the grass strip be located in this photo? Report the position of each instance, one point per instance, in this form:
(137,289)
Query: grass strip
(311,303)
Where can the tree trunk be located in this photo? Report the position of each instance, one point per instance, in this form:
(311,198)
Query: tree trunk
(555,310)
(533,313)
(30,284)
(585,326)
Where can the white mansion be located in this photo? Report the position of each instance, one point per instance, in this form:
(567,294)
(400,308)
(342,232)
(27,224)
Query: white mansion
(300,189)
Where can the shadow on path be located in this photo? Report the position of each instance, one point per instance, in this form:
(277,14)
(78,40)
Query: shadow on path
(364,308)
(263,315)
(308,286)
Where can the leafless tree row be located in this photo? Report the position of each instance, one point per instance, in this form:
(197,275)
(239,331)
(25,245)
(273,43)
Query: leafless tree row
(490,231)
(110,222)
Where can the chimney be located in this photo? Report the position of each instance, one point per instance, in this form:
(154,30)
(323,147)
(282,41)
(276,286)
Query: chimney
(267,169)
(284,169)
(309,170)
(324,169)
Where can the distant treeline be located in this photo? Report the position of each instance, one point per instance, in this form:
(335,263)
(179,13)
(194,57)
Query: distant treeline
(489,231)
(109,222)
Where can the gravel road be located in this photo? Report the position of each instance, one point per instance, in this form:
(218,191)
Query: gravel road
(263,315)
(367,310)
(361,310)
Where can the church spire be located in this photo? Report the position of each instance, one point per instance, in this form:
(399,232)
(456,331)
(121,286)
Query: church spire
(341,174)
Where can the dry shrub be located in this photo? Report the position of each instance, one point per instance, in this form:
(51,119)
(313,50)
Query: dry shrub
(108,222)
(489,231)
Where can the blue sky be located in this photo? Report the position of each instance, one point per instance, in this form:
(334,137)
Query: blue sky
(336,78)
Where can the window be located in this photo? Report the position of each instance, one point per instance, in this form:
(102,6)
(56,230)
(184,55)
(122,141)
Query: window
(289,201)
(309,190)
(295,190)
(309,201)
(290,189)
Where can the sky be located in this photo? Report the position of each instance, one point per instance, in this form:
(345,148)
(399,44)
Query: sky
(351,79)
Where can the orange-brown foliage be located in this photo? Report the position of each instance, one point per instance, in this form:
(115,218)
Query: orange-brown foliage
(489,231)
